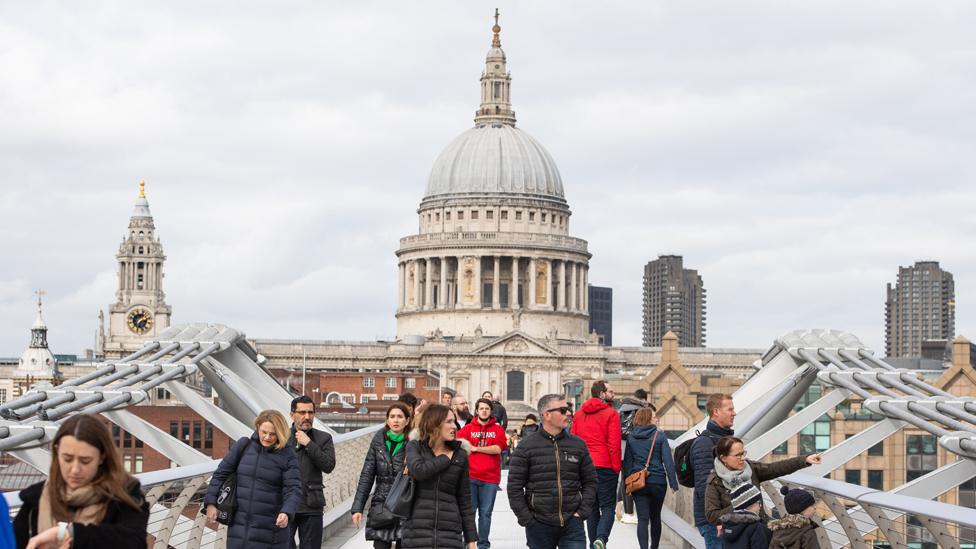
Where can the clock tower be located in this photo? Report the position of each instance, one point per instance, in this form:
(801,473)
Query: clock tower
(140,310)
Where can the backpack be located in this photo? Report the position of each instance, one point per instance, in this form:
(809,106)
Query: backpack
(684,469)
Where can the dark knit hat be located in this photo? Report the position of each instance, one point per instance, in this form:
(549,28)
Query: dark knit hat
(796,500)
(744,495)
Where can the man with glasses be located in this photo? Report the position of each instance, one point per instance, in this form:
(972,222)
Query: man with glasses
(316,456)
(551,481)
(598,424)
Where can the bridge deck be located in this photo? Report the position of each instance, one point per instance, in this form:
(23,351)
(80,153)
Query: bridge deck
(505,531)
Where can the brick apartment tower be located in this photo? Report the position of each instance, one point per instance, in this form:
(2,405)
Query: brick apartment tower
(674,300)
(920,307)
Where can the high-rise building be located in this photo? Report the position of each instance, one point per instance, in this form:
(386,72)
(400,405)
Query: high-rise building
(601,313)
(674,300)
(920,307)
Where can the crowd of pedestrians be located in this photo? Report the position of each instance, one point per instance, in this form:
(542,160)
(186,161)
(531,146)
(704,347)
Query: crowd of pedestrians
(431,477)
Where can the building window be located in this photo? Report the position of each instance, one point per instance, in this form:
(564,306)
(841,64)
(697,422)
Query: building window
(208,436)
(410,383)
(531,216)
(117,435)
(3,396)
(852,476)
(391,382)
(363,399)
(391,397)
(543,220)
(504,215)
(138,464)
(515,385)
(174,429)
(702,399)
(369,382)
(126,439)
(197,434)
(782,449)
(877,449)
(920,456)
(490,214)
(127,462)
(967,498)
(518,215)
(437,216)
(876,479)
(447,216)
(474,214)
(816,436)
(185,432)
(162,394)
(460,216)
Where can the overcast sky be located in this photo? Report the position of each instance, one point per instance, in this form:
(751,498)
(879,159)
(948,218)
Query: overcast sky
(795,153)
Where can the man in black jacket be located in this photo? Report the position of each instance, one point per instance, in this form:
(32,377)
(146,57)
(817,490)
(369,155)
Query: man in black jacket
(552,481)
(721,414)
(497,410)
(316,456)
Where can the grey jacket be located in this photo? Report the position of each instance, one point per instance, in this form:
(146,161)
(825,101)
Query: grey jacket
(314,459)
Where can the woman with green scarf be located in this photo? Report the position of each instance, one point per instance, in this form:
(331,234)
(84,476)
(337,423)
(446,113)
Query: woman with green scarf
(384,461)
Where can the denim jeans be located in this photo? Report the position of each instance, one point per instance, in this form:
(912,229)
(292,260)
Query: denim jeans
(543,536)
(710,533)
(483,501)
(649,502)
(600,521)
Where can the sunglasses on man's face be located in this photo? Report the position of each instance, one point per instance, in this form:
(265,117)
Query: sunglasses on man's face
(562,410)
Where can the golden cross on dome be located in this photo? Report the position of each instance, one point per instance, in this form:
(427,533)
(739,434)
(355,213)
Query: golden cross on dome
(40,294)
(496,42)
(142,189)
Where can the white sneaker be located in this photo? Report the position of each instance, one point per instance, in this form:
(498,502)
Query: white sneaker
(630,518)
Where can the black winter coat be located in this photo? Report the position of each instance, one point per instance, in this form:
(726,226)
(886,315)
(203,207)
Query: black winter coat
(550,479)
(314,459)
(702,462)
(500,414)
(123,527)
(378,468)
(744,530)
(442,517)
(268,483)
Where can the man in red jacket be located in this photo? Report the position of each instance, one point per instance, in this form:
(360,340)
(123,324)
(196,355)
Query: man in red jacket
(598,424)
(487,439)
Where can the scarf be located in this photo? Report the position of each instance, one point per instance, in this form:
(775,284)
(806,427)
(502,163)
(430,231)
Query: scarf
(394,442)
(85,504)
(731,478)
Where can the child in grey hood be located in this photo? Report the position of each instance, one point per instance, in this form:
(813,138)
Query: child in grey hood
(796,530)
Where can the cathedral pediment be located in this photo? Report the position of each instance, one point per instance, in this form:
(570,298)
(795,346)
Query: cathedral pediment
(516,343)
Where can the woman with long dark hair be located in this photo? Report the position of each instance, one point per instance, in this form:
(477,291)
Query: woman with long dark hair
(88,499)
(384,461)
(648,448)
(269,485)
(442,516)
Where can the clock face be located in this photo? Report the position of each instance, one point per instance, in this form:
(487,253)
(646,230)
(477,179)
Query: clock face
(140,321)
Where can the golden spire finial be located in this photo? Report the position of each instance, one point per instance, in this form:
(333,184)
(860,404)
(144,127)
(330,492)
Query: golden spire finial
(142,189)
(496,42)
(40,294)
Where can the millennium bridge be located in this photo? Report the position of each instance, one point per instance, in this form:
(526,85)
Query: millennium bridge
(909,515)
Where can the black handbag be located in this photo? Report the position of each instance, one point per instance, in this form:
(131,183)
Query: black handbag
(227,495)
(399,501)
(380,518)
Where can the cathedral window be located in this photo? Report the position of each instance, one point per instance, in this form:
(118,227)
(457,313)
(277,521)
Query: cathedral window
(543,217)
(518,215)
(504,215)
(490,214)
(437,216)
(447,216)
(474,214)
(460,216)
(531,217)
(515,385)
(141,250)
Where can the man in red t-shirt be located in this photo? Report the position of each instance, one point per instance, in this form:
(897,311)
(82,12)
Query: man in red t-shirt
(487,439)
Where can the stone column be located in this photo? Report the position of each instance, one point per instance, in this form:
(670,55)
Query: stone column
(442,293)
(429,285)
(514,289)
(548,264)
(477,282)
(586,288)
(121,275)
(401,289)
(561,298)
(496,285)
(416,284)
(574,288)
(531,283)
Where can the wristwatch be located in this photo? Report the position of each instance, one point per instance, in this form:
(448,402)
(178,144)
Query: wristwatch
(62,531)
